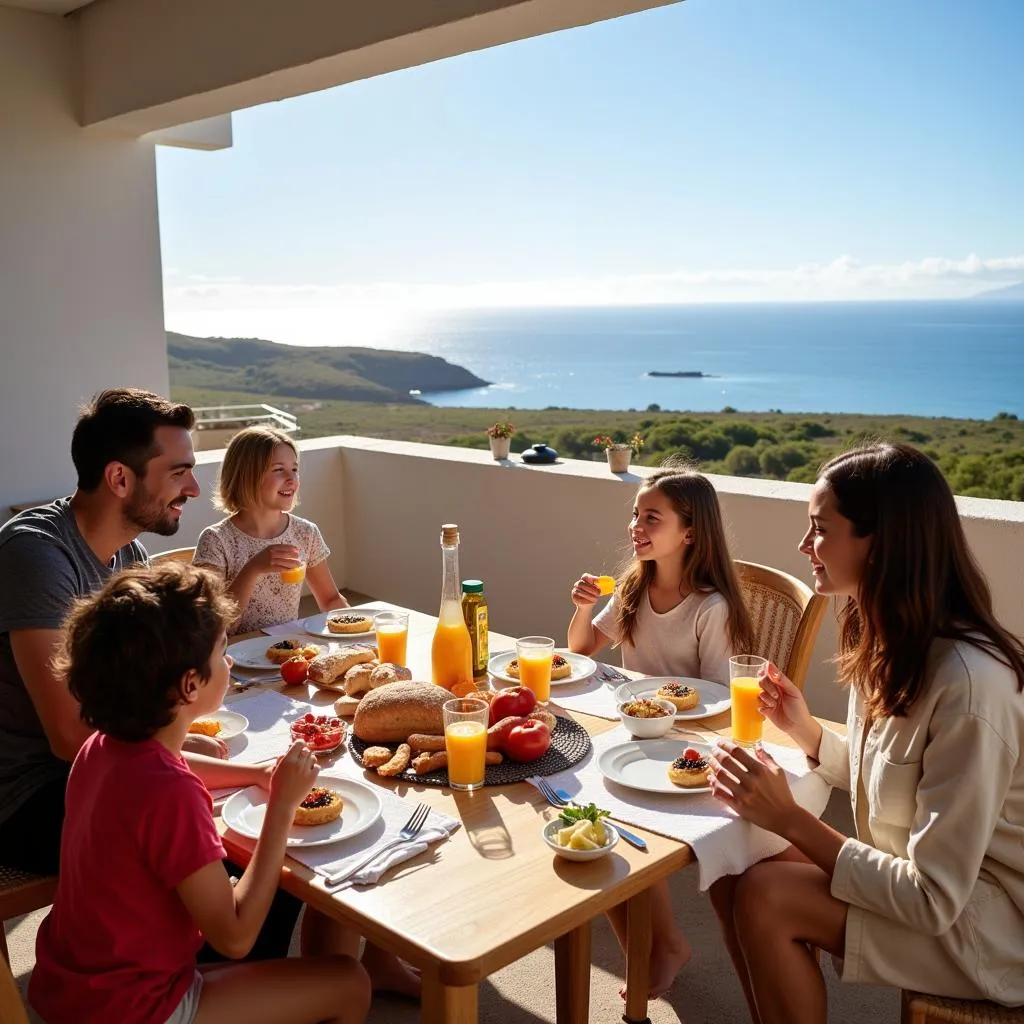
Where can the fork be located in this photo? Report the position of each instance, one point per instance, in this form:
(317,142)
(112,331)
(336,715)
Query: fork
(613,674)
(559,798)
(409,831)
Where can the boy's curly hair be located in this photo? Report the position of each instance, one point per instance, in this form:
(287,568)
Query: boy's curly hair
(128,646)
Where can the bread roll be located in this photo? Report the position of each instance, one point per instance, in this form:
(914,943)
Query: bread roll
(357,678)
(327,669)
(390,714)
(388,673)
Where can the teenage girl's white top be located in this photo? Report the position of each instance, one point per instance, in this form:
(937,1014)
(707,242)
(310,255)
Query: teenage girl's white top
(691,639)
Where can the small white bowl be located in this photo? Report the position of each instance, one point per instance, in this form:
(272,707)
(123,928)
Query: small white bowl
(570,854)
(650,728)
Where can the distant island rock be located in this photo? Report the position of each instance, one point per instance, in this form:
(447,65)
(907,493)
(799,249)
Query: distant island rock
(1010,293)
(259,367)
(678,373)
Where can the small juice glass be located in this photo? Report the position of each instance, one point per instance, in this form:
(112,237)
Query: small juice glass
(392,636)
(745,691)
(294,575)
(465,740)
(535,654)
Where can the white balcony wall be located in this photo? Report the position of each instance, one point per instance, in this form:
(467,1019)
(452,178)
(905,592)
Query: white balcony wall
(81,304)
(529,531)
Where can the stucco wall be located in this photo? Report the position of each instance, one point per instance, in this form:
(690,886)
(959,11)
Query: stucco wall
(81,304)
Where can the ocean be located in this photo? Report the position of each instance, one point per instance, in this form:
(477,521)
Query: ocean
(961,359)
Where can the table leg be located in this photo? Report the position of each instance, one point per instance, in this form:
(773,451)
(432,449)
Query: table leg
(572,976)
(448,1004)
(638,956)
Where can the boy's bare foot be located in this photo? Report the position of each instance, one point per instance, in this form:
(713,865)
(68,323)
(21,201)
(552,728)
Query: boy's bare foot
(390,974)
(667,960)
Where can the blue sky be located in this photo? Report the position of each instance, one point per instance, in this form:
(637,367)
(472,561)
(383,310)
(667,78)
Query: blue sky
(712,150)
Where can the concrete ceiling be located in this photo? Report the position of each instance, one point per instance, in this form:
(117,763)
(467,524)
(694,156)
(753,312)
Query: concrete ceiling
(46,6)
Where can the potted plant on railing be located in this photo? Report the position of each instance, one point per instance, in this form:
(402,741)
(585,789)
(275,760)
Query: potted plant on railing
(500,436)
(619,453)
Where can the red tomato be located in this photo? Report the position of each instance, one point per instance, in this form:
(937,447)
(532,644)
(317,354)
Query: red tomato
(528,741)
(294,670)
(512,702)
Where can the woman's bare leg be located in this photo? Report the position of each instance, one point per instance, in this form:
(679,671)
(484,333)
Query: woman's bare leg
(723,895)
(670,950)
(783,913)
(388,973)
(301,990)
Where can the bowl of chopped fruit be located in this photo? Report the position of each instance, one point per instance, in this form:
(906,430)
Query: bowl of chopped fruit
(581,833)
(647,718)
(321,733)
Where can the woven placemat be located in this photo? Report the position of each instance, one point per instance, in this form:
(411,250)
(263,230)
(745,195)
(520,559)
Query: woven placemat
(569,745)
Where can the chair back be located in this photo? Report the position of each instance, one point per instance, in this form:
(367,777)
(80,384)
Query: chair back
(12,1010)
(916,1008)
(174,555)
(786,615)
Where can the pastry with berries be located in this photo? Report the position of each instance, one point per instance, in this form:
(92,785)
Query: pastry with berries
(689,771)
(684,697)
(319,807)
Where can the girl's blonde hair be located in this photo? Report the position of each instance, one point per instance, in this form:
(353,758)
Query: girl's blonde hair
(250,453)
(706,563)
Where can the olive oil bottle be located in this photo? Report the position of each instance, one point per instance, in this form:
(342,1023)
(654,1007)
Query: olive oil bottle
(474,611)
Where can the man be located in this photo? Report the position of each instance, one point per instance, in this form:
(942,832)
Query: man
(132,451)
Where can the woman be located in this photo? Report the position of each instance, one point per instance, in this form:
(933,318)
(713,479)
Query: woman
(930,893)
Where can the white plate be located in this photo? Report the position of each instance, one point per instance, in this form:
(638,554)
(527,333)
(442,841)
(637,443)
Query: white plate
(643,764)
(252,653)
(714,697)
(232,724)
(582,667)
(317,624)
(244,813)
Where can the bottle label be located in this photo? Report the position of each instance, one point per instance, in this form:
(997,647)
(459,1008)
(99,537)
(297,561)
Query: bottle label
(481,636)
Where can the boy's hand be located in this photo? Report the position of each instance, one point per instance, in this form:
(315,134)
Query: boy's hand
(275,558)
(585,591)
(293,777)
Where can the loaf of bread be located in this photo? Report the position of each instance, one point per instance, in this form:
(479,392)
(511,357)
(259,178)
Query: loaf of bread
(327,669)
(392,713)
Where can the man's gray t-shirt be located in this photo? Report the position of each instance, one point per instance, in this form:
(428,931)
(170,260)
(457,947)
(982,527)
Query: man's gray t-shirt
(45,564)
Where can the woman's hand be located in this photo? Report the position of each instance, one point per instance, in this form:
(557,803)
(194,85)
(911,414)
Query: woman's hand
(274,558)
(752,784)
(585,592)
(196,743)
(785,707)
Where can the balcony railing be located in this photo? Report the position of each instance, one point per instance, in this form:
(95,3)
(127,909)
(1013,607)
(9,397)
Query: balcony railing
(215,424)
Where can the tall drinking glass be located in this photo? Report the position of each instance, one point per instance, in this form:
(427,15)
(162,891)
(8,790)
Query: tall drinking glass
(745,691)
(535,654)
(465,739)
(392,636)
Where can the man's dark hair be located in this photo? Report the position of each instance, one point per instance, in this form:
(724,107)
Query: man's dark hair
(128,646)
(118,425)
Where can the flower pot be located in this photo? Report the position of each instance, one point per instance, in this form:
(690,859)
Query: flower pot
(618,457)
(500,446)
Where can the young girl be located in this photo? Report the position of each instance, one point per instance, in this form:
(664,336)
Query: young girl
(930,894)
(676,611)
(141,881)
(261,538)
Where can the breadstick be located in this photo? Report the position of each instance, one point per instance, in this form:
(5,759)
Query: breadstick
(419,741)
(430,762)
(398,763)
(374,757)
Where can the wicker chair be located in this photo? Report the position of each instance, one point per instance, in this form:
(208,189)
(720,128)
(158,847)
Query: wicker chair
(786,615)
(174,555)
(21,893)
(12,1010)
(921,1009)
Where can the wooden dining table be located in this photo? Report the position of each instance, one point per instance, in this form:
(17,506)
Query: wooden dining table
(494,891)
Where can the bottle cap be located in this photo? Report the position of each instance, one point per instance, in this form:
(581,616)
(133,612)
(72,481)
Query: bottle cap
(472,586)
(449,534)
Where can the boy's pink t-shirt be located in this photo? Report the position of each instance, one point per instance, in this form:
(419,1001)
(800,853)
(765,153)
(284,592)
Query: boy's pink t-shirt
(119,944)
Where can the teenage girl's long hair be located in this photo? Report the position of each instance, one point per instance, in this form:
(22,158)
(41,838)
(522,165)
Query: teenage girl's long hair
(706,563)
(920,581)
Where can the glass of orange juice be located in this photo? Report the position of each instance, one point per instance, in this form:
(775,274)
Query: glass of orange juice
(465,739)
(745,691)
(294,575)
(392,636)
(535,654)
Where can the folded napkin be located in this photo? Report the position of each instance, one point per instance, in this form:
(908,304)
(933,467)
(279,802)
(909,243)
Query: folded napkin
(723,843)
(593,696)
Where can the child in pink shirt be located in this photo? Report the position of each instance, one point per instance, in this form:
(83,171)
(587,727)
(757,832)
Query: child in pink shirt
(141,880)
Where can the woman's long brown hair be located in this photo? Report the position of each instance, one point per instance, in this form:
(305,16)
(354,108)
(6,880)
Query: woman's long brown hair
(920,581)
(706,563)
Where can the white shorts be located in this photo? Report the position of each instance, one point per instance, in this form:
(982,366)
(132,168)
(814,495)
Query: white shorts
(189,1005)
